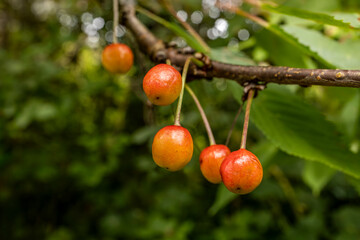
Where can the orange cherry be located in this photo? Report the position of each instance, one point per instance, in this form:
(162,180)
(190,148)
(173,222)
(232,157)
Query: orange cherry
(117,58)
(210,161)
(172,147)
(162,84)
(241,171)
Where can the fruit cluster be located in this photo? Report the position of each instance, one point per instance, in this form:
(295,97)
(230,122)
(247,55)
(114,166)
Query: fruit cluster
(172,148)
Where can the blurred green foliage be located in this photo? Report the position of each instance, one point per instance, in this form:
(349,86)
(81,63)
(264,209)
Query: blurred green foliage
(75,141)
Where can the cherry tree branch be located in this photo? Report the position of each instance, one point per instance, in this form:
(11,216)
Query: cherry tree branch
(158,53)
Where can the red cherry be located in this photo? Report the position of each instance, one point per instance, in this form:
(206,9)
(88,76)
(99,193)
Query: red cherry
(241,171)
(117,58)
(210,161)
(172,147)
(162,84)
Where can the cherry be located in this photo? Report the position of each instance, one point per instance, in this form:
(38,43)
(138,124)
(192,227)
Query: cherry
(117,58)
(241,171)
(162,84)
(210,161)
(172,147)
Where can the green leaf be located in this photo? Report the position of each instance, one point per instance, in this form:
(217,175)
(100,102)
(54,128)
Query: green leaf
(45,111)
(347,218)
(316,176)
(350,115)
(317,6)
(278,51)
(303,46)
(34,110)
(236,89)
(176,29)
(265,151)
(223,197)
(231,55)
(299,129)
(351,18)
(355,183)
(315,16)
(341,55)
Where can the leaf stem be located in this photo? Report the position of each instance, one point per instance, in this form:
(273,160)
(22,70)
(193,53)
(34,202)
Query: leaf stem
(175,28)
(235,9)
(115,20)
(247,117)
(233,124)
(203,115)
(183,80)
(172,11)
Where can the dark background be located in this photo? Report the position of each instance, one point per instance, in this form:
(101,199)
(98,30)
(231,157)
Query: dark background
(75,141)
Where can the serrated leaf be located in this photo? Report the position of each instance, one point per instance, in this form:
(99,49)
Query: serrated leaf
(291,38)
(309,15)
(351,18)
(316,176)
(299,129)
(341,55)
(231,56)
(278,50)
(317,6)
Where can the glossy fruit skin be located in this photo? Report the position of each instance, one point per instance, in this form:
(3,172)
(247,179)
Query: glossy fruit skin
(117,58)
(210,161)
(162,84)
(172,147)
(241,171)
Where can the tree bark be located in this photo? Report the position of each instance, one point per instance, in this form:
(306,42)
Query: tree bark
(158,53)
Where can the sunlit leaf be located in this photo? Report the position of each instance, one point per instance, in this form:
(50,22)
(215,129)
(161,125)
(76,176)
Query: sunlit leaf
(345,21)
(292,39)
(231,56)
(342,55)
(351,18)
(299,129)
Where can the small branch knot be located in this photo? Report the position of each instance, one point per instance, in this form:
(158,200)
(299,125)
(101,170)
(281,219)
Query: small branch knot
(251,85)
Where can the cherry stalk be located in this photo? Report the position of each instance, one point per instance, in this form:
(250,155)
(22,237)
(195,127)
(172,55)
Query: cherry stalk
(203,115)
(247,117)
(183,78)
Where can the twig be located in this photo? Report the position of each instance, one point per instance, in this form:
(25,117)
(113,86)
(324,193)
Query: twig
(158,53)
(187,26)
(232,8)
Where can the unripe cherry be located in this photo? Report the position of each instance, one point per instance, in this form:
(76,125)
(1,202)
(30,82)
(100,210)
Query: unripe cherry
(210,161)
(117,58)
(241,171)
(172,147)
(162,84)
